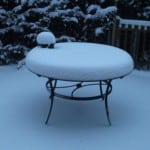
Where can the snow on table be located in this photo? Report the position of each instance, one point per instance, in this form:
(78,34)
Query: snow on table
(75,61)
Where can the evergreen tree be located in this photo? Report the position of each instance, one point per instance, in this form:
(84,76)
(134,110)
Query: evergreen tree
(135,9)
(69,20)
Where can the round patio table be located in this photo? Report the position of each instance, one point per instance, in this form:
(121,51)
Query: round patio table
(86,64)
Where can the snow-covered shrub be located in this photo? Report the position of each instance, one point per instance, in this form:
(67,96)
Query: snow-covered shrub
(65,38)
(81,20)
(19,26)
(70,20)
(146,13)
(12,54)
(9,4)
(97,21)
(135,9)
(67,22)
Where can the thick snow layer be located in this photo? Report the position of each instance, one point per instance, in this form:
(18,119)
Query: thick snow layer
(92,8)
(71,19)
(46,38)
(40,10)
(134,22)
(2,11)
(66,38)
(100,12)
(58,2)
(24,102)
(80,62)
(105,11)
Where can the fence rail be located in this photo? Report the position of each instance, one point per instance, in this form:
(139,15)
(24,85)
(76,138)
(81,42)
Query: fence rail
(134,37)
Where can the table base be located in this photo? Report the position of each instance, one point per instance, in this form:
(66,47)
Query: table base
(105,88)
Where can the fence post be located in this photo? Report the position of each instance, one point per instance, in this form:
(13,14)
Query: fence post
(113,31)
(134,37)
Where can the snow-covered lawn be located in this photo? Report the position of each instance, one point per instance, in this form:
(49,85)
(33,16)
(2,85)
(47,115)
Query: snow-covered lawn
(73,125)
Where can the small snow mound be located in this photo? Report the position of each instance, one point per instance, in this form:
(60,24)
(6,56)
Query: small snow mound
(93,8)
(98,31)
(46,38)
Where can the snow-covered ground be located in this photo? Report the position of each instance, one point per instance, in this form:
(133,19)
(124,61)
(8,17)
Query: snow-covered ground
(73,125)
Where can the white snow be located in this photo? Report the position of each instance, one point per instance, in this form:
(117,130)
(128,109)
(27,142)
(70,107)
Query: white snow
(71,19)
(41,10)
(58,2)
(134,22)
(88,16)
(54,14)
(92,8)
(98,31)
(65,12)
(46,38)
(146,12)
(73,125)
(99,12)
(17,8)
(2,11)
(23,2)
(80,61)
(66,38)
(30,2)
(103,12)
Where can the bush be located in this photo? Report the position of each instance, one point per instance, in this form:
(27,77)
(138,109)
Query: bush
(69,20)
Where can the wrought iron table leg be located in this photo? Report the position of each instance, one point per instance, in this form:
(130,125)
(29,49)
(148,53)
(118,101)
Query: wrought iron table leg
(108,91)
(50,86)
(107,111)
(50,108)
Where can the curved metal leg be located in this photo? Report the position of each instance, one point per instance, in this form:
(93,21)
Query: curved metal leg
(106,109)
(50,86)
(108,91)
(50,109)
(105,96)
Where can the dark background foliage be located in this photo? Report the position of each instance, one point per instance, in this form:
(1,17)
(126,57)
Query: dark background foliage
(69,20)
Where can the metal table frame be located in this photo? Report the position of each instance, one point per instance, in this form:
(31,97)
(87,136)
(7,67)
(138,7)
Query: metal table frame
(105,88)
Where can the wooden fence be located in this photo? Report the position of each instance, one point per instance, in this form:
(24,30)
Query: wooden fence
(134,37)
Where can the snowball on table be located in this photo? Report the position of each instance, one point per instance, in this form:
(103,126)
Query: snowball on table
(46,38)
